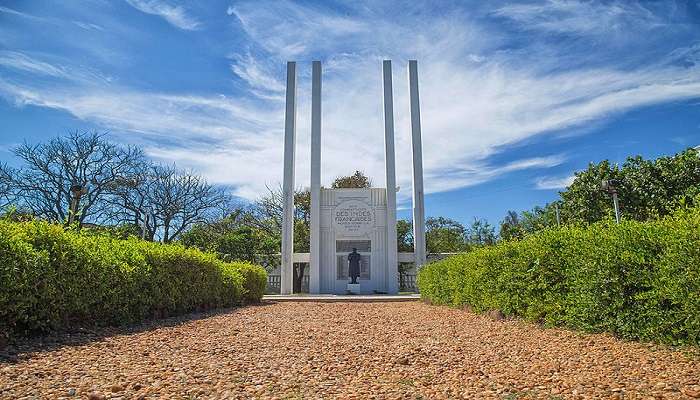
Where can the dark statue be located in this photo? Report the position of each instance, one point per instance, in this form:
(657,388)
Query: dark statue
(354,270)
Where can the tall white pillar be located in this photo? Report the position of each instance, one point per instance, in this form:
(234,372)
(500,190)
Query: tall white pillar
(315,234)
(390,166)
(286,275)
(417,151)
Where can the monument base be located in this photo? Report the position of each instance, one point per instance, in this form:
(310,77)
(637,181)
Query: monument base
(353,288)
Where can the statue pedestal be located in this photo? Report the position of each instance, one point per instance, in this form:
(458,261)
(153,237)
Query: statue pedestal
(353,288)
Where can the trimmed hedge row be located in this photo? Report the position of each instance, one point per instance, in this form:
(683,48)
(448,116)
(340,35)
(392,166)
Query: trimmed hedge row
(50,278)
(637,280)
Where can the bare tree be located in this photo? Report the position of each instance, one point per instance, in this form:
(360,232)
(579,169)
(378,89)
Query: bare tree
(266,213)
(70,174)
(228,207)
(5,186)
(165,201)
(179,199)
(128,201)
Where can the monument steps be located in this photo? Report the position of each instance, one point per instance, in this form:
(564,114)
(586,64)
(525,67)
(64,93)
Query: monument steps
(332,298)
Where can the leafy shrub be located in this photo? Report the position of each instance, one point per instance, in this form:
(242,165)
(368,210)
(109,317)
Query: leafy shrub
(637,280)
(51,278)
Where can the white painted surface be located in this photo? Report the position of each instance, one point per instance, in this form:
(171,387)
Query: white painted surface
(315,232)
(403,257)
(377,298)
(417,151)
(373,199)
(288,182)
(406,257)
(376,205)
(354,288)
(353,218)
(390,169)
(305,258)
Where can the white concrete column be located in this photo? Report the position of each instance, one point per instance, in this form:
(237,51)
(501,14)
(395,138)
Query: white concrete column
(390,166)
(290,114)
(417,151)
(315,234)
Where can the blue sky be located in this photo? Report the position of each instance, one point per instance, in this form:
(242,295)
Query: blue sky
(515,96)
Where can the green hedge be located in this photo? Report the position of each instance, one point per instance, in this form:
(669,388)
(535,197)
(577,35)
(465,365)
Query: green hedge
(637,280)
(50,278)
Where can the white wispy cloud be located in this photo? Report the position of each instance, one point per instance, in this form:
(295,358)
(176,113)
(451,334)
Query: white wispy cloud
(288,29)
(11,11)
(227,140)
(472,106)
(550,182)
(474,173)
(88,26)
(29,64)
(175,15)
(22,62)
(255,74)
(579,17)
(184,117)
(478,95)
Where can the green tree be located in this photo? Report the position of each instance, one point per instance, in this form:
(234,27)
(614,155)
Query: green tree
(302,221)
(648,189)
(511,227)
(404,235)
(583,201)
(481,233)
(653,189)
(231,239)
(356,180)
(444,235)
(538,218)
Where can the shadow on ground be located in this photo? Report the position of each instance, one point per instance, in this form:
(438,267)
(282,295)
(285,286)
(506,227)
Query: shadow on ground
(23,348)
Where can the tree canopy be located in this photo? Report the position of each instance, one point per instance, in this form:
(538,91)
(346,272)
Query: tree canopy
(648,189)
(445,235)
(43,185)
(85,178)
(358,180)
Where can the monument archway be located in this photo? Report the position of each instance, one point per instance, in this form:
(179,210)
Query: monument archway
(345,221)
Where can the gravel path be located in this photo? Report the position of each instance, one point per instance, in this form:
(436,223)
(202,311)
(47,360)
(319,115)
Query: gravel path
(346,350)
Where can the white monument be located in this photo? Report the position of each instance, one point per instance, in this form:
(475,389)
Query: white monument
(344,221)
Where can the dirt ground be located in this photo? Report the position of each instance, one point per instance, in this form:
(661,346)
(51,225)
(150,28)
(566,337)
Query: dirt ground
(308,350)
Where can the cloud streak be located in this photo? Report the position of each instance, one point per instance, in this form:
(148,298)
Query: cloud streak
(227,140)
(255,74)
(482,91)
(175,15)
(479,172)
(581,18)
(11,11)
(22,62)
(550,183)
